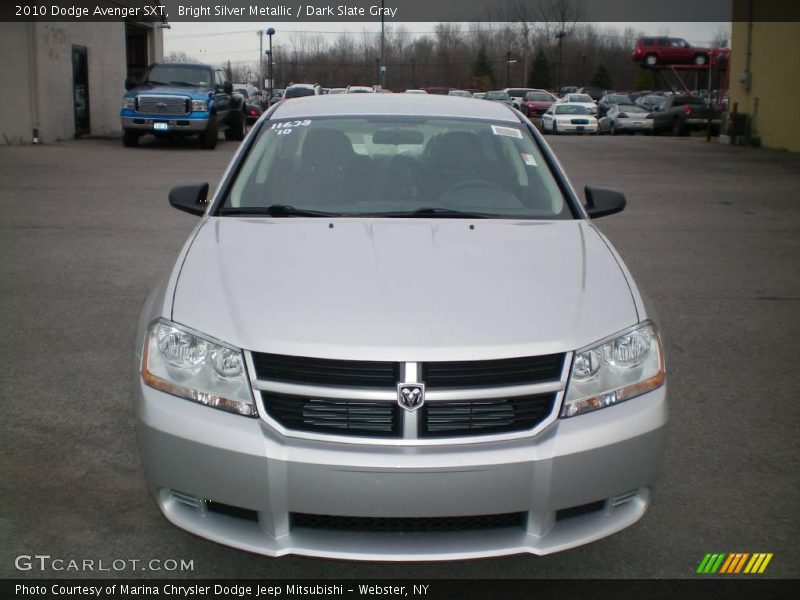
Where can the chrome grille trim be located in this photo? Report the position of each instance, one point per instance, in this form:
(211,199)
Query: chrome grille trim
(175,105)
(390,395)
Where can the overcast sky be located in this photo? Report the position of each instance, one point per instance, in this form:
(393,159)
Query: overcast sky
(220,42)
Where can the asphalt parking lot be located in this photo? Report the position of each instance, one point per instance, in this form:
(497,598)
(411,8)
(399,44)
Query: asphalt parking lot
(712,234)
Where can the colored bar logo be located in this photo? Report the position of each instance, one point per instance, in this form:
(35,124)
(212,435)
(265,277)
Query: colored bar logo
(735,563)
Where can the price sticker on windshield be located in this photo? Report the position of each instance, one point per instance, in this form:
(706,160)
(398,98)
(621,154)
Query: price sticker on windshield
(507,131)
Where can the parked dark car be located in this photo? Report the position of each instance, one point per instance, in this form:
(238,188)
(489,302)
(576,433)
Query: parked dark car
(252,106)
(682,114)
(651,101)
(608,100)
(651,51)
(536,103)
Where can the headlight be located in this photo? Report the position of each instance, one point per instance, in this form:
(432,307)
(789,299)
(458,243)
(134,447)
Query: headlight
(129,102)
(627,365)
(184,363)
(199,105)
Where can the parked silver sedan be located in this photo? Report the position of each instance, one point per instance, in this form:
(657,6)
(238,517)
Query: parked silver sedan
(397,334)
(626,118)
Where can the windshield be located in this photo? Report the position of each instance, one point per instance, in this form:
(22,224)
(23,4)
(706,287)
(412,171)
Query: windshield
(518,92)
(632,108)
(580,98)
(572,109)
(297,92)
(539,97)
(394,167)
(497,96)
(188,75)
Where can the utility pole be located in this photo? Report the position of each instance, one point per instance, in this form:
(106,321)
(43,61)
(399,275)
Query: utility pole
(508,68)
(260,33)
(413,72)
(270,33)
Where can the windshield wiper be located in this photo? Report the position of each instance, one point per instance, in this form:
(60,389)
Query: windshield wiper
(427,212)
(275,210)
(153,82)
(184,83)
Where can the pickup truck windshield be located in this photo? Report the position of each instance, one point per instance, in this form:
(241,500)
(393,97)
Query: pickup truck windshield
(393,167)
(185,75)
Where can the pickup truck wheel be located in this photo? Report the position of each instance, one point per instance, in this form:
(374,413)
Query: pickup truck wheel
(209,137)
(235,132)
(130,138)
(677,127)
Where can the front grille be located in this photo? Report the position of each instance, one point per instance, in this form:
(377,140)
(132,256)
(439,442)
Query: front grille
(580,121)
(488,373)
(163,105)
(323,371)
(231,511)
(333,416)
(408,524)
(484,417)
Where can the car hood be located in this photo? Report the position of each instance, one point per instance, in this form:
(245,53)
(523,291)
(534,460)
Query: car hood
(170,90)
(402,289)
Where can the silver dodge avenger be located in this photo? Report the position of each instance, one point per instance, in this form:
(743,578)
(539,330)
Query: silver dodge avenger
(396,334)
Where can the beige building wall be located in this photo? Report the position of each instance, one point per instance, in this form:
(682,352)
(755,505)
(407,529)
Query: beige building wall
(774,78)
(16,123)
(37,67)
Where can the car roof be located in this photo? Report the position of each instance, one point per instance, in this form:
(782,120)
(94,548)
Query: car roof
(431,105)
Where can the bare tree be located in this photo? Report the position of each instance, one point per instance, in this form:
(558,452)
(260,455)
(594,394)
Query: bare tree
(179,56)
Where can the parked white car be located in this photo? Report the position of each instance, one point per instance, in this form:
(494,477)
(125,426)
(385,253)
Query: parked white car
(563,117)
(397,334)
(583,100)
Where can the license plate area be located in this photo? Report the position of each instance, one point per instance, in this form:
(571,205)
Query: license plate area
(160,126)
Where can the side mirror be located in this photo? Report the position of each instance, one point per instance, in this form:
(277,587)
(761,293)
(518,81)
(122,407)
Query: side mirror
(601,202)
(189,198)
(227,87)
(130,83)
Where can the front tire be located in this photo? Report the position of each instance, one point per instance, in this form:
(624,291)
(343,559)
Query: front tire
(651,60)
(612,129)
(209,137)
(677,128)
(700,59)
(130,139)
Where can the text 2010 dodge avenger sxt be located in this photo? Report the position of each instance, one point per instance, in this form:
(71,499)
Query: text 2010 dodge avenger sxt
(396,334)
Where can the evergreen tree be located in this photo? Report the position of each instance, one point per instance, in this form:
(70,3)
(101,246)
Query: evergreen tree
(601,79)
(482,72)
(539,75)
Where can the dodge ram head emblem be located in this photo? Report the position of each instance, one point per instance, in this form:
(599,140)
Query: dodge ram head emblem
(410,395)
(161,105)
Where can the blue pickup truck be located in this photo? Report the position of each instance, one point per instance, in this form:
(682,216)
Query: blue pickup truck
(174,99)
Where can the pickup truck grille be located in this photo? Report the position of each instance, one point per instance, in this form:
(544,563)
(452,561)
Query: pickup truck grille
(360,399)
(163,105)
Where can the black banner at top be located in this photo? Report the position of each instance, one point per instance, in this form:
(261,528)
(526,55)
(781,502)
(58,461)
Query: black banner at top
(398,11)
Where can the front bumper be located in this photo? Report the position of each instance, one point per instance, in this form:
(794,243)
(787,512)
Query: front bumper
(146,123)
(192,454)
(570,128)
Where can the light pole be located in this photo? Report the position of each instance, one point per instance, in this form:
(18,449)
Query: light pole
(509,62)
(382,73)
(260,60)
(270,33)
(560,36)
